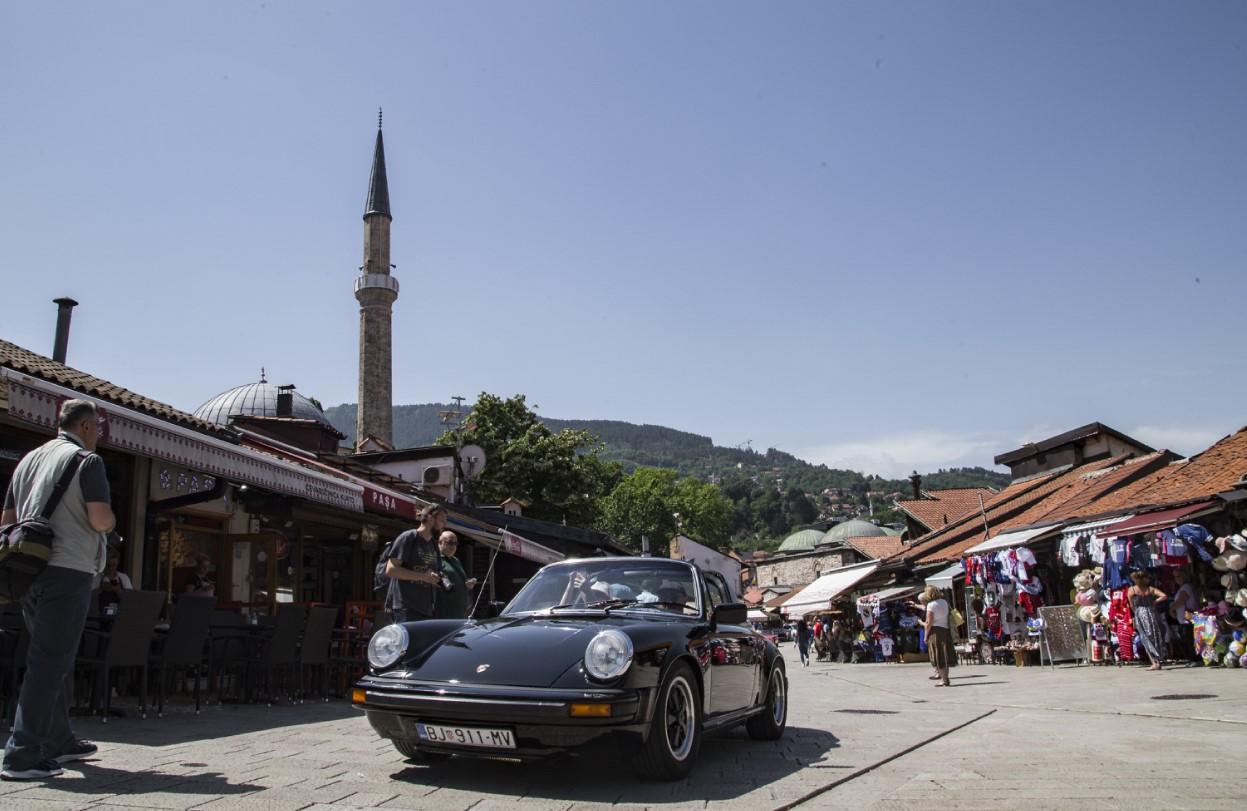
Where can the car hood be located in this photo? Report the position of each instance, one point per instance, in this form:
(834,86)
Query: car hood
(514,651)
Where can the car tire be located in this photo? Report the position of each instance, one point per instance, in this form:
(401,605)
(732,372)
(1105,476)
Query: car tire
(408,750)
(769,724)
(675,730)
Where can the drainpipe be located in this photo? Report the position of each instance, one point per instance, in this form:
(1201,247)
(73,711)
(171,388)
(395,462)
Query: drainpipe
(63,314)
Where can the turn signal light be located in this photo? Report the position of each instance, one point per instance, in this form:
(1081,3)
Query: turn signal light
(358,696)
(590,710)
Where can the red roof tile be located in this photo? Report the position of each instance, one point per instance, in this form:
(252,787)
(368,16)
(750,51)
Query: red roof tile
(27,362)
(1218,469)
(876,547)
(942,507)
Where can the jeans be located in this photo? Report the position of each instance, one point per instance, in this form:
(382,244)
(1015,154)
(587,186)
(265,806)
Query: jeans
(55,610)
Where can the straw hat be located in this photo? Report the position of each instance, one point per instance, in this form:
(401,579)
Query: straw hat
(1088,613)
(1236,560)
(1220,564)
(1240,599)
(1238,541)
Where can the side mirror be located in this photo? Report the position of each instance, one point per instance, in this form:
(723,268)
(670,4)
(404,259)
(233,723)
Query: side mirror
(730,614)
(491,609)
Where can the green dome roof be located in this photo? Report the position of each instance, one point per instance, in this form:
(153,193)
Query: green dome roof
(856,528)
(802,541)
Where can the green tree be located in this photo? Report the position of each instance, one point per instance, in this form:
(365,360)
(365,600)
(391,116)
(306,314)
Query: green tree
(659,504)
(559,476)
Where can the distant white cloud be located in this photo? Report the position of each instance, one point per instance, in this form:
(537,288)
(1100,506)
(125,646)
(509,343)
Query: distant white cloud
(894,456)
(1185,441)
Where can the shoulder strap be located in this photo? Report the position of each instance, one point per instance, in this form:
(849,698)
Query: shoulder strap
(62,485)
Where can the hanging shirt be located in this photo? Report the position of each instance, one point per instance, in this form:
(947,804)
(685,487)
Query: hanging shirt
(1095,548)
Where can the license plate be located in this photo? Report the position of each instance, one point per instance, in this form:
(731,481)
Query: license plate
(467,736)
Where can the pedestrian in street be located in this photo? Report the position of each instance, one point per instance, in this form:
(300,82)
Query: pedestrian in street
(414,568)
(1143,598)
(939,637)
(456,593)
(55,606)
(803,642)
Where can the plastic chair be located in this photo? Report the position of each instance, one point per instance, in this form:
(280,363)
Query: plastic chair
(314,652)
(185,645)
(126,644)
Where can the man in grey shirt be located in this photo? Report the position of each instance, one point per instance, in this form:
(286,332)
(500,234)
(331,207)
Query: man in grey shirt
(55,607)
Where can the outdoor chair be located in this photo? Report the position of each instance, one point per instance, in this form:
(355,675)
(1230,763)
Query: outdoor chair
(126,644)
(314,652)
(184,646)
(277,651)
(14,641)
(350,657)
(227,647)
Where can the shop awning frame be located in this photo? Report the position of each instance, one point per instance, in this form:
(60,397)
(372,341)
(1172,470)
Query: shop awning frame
(943,579)
(35,401)
(887,595)
(1009,540)
(1163,519)
(1101,527)
(819,594)
(758,615)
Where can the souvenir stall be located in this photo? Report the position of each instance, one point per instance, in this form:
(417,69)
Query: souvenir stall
(1005,588)
(1152,551)
(891,625)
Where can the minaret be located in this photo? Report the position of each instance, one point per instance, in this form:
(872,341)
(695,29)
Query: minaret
(376,290)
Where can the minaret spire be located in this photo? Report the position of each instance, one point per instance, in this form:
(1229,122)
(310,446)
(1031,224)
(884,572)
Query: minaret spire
(378,185)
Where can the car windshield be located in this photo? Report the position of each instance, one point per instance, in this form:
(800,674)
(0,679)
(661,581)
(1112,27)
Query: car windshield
(634,585)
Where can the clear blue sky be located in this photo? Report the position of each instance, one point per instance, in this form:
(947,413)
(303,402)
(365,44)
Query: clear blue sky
(881,235)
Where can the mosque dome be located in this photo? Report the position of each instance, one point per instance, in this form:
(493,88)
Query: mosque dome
(802,541)
(856,528)
(256,400)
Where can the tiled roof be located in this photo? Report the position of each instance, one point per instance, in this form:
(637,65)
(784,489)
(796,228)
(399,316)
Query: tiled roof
(942,507)
(876,547)
(1205,474)
(776,602)
(752,596)
(27,362)
(1011,508)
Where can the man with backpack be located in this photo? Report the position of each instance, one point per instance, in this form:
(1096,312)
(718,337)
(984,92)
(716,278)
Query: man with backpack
(413,565)
(66,475)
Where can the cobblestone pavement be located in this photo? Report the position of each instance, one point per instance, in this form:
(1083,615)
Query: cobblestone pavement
(859,736)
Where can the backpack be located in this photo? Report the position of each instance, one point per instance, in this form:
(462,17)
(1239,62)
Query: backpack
(26,546)
(380,580)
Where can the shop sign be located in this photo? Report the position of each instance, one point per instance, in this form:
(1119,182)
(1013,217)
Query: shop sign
(172,481)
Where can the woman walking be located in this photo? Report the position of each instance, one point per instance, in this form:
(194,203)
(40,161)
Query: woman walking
(803,642)
(1143,599)
(939,637)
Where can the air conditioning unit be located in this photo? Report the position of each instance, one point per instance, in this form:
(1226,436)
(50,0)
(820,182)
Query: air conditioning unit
(437,475)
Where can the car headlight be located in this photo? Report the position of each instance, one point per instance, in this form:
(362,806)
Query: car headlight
(608,654)
(386,646)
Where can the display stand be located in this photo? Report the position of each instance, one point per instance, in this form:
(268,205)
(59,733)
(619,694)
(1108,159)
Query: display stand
(1062,635)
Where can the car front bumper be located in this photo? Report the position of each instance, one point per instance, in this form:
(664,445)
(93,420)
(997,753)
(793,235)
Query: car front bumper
(539,717)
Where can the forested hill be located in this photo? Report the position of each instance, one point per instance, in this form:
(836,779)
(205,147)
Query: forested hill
(689,454)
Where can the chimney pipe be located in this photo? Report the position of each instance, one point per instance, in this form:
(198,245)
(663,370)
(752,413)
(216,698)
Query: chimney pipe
(63,314)
(285,401)
(916,481)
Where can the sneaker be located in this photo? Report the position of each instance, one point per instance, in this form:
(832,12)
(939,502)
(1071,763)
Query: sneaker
(40,771)
(78,750)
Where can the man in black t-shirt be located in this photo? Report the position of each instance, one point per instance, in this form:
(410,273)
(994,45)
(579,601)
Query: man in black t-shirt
(414,568)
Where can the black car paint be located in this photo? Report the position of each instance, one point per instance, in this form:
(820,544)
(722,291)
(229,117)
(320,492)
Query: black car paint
(523,671)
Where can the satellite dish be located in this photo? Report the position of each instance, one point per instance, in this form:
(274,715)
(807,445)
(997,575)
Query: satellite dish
(471,461)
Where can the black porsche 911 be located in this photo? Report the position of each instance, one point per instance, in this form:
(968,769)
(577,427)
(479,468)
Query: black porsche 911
(641,653)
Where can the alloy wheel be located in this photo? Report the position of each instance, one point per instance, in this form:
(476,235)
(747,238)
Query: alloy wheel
(681,717)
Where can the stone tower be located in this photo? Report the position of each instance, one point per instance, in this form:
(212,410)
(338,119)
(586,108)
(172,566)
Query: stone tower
(376,290)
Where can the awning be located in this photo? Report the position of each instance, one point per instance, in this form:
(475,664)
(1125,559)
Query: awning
(1093,527)
(819,594)
(884,596)
(503,540)
(758,615)
(943,579)
(1162,519)
(1007,540)
(36,402)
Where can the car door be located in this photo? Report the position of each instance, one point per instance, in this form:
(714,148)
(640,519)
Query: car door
(734,656)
